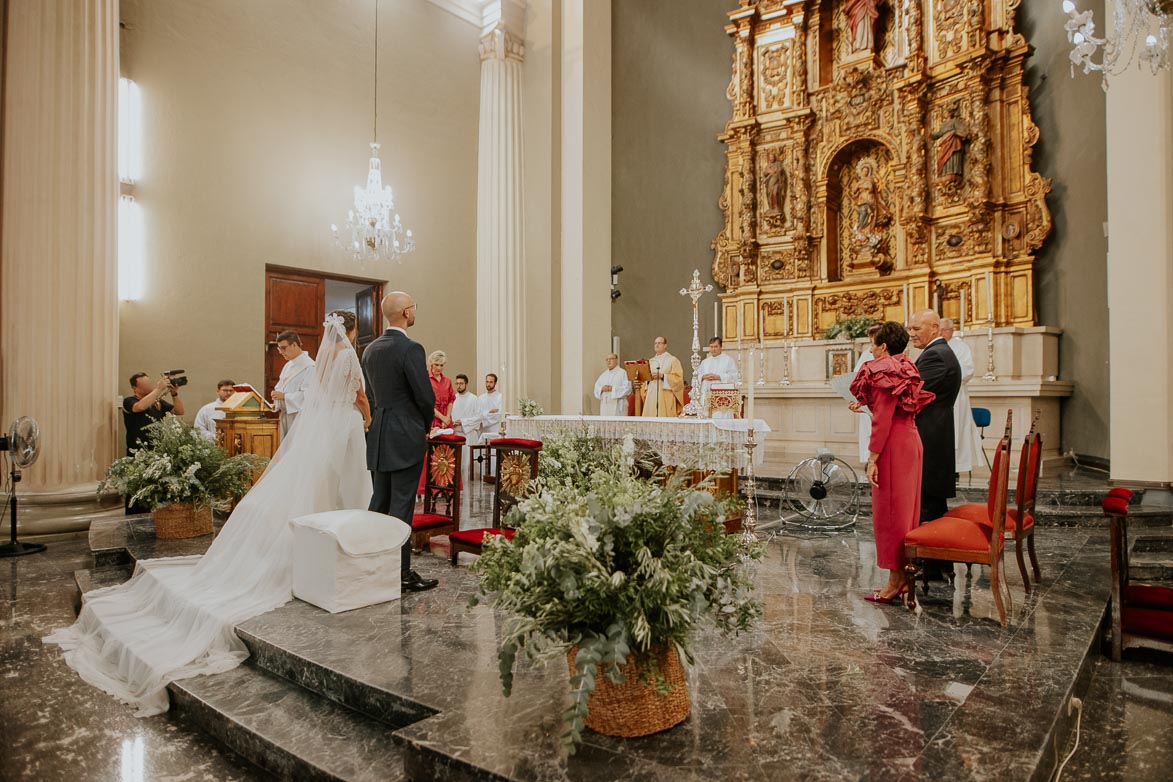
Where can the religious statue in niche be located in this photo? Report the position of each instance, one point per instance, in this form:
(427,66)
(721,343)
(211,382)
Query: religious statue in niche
(862,16)
(774,182)
(951,139)
(869,218)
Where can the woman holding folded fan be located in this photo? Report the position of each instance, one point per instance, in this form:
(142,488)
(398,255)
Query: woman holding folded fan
(890,386)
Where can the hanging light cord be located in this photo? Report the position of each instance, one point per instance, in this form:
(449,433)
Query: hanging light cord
(375,129)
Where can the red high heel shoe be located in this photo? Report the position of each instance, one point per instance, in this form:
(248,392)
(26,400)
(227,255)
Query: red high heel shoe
(876,597)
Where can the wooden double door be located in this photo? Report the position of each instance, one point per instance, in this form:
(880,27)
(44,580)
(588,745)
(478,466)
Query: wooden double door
(295,300)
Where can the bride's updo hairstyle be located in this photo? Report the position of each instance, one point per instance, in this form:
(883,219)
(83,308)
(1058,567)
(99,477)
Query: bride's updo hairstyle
(349,319)
(892,336)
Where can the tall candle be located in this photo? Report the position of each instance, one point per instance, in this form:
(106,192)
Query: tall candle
(739,325)
(989,299)
(716,319)
(904,299)
(615,346)
(786,317)
(761,325)
(749,406)
(961,314)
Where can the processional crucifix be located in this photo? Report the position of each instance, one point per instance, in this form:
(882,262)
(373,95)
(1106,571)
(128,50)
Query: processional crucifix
(694,291)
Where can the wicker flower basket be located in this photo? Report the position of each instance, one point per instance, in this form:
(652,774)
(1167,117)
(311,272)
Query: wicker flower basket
(633,708)
(183,520)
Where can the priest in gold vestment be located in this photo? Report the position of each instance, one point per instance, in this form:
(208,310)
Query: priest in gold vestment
(664,395)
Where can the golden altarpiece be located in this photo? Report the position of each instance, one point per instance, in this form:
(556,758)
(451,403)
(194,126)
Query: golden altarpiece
(879,163)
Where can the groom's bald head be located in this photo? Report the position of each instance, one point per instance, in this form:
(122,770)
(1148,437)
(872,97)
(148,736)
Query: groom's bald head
(399,309)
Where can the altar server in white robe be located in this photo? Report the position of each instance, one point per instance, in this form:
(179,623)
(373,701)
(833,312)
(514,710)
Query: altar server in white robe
(718,367)
(864,424)
(612,388)
(289,394)
(466,414)
(205,420)
(967,439)
(490,407)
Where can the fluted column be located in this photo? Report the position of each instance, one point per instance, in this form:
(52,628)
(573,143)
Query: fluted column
(501,290)
(58,245)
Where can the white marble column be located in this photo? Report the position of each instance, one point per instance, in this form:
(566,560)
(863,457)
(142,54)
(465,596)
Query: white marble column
(501,290)
(1140,276)
(585,198)
(58,248)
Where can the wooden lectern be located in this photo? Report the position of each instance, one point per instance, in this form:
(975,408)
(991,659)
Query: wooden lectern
(249,425)
(640,374)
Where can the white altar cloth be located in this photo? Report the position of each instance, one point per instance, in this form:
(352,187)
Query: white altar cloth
(709,443)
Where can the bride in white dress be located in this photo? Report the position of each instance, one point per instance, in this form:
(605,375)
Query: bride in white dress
(175,617)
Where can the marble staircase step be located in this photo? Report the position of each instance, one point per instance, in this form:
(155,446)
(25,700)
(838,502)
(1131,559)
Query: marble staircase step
(320,677)
(287,730)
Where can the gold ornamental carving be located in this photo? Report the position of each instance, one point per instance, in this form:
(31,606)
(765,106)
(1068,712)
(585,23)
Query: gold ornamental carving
(879,149)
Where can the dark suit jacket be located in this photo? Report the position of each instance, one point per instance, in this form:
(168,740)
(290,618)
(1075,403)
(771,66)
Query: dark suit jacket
(395,368)
(941,374)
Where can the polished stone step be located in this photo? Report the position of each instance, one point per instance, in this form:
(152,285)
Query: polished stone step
(287,730)
(337,683)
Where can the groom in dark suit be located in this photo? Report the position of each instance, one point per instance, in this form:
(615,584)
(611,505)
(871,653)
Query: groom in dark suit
(941,374)
(402,399)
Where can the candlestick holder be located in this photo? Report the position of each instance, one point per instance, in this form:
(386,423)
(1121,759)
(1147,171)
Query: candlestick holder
(785,381)
(749,522)
(990,376)
(761,364)
(694,291)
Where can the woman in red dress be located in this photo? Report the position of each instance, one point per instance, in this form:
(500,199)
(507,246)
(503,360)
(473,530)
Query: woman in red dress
(445,398)
(891,388)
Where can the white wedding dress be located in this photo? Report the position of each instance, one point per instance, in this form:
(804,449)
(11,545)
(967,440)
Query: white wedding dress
(175,617)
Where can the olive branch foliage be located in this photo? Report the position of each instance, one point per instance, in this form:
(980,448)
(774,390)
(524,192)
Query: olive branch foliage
(613,556)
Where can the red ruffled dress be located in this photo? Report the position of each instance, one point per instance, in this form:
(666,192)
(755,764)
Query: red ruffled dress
(891,388)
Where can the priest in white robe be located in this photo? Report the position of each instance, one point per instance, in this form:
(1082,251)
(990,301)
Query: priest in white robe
(612,388)
(718,367)
(289,393)
(466,414)
(664,395)
(490,408)
(966,438)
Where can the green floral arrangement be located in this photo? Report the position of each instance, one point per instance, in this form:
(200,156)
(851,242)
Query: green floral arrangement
(180,465)
(613,564)
(529,408)
(855,328)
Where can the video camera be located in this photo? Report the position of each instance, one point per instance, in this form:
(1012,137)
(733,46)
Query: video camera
(176,377)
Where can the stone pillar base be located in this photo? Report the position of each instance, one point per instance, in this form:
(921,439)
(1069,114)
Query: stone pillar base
(54,512)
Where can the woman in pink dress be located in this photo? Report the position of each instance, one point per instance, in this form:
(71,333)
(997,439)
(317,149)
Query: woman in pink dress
(890,386)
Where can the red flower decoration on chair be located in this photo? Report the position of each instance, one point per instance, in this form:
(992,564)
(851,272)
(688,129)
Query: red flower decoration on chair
(443,465)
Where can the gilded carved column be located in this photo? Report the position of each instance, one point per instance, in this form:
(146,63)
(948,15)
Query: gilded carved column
(58,255)
(801,85)
(501,301)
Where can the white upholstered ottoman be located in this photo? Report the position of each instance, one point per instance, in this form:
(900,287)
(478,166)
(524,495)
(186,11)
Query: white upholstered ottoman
(347,559)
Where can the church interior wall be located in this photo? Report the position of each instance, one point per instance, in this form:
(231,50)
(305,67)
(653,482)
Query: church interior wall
(1071,268)
(672,65)
(257,118)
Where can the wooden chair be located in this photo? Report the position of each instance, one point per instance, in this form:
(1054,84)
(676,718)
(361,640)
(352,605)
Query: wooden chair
(442,476)
(517,467)
(959,540)
(1025,493)
(1141,615)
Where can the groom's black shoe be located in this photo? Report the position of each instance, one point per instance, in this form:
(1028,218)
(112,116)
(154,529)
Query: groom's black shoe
(414,582)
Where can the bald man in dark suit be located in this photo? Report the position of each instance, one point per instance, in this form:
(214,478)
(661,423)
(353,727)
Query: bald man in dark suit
(402,399)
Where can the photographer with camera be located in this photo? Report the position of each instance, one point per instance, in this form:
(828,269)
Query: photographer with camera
(147,405)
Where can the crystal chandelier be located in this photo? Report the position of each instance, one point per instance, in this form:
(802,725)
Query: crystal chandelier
(1134,22)
(375,229)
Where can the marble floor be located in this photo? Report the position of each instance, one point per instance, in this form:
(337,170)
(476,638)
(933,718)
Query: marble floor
(827,687)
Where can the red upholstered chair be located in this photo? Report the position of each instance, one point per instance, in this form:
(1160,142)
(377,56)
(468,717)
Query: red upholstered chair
(1141,615)
(441,512)
(517,466)
(960,540)
(1026,491)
